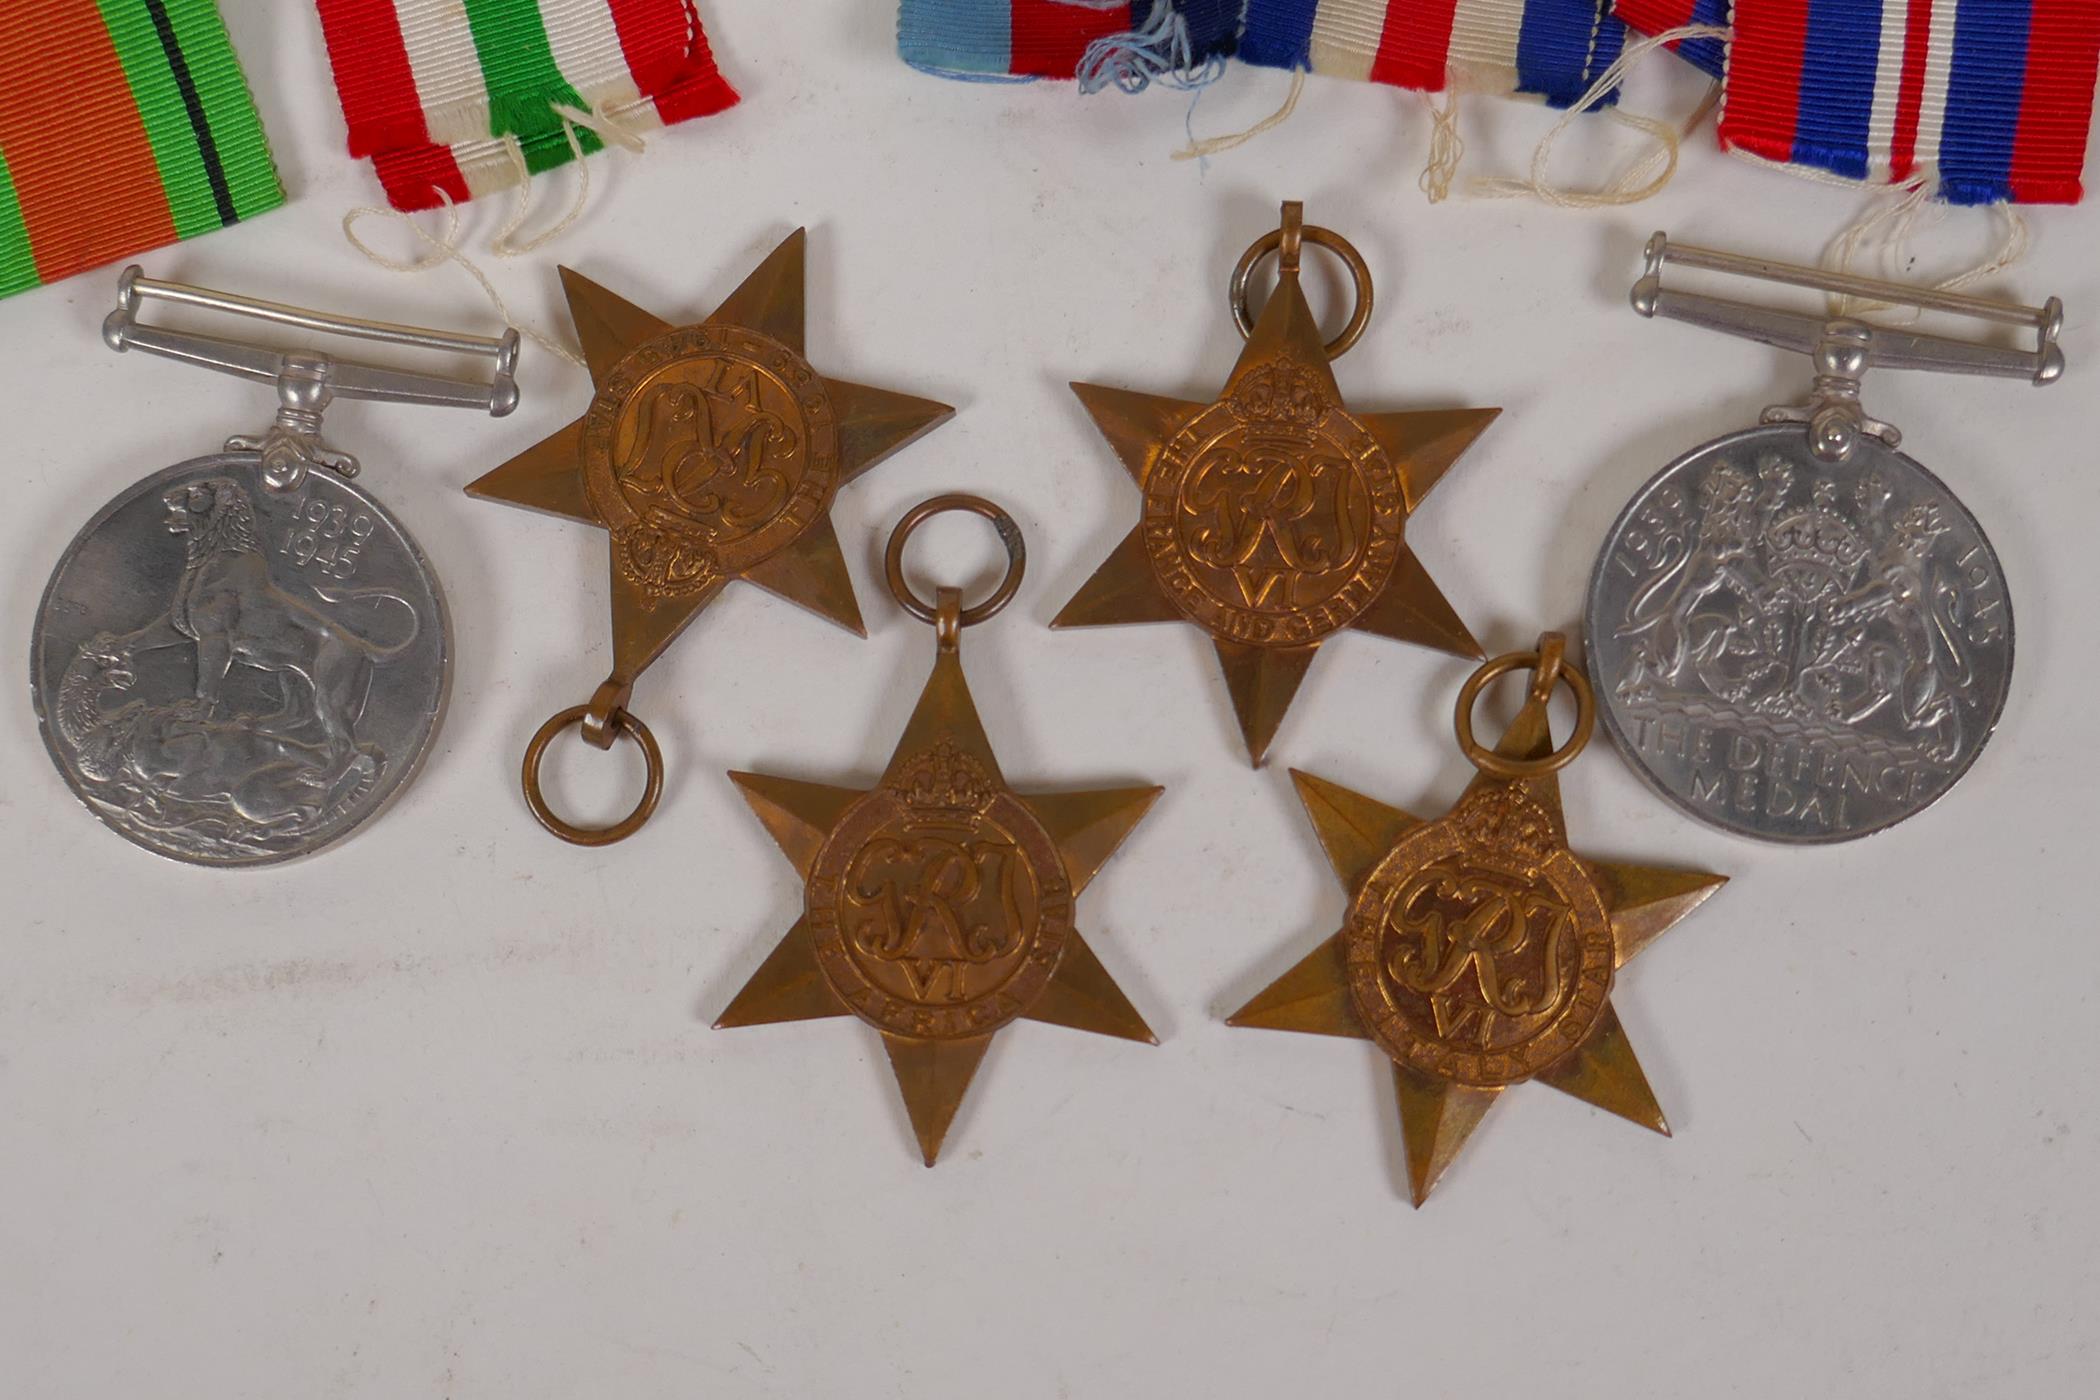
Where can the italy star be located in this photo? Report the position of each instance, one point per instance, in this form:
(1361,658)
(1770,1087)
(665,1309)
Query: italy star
(1273,517)
(1478,951)
(710,453)
(938,905)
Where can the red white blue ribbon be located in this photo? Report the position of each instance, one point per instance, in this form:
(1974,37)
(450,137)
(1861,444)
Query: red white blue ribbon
(1982,101)
(1552,49)
(1710,56)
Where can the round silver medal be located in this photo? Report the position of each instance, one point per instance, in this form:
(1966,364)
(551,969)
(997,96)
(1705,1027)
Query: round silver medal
(231,673)
(1797,649)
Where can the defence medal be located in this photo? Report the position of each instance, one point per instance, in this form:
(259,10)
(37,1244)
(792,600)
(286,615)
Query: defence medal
(244,656)
(709,453)
(1273,516)
(1797,632)
(1479,951)
(938,906)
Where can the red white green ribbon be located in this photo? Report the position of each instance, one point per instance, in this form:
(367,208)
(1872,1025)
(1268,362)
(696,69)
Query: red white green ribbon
(457,98)
(124,124)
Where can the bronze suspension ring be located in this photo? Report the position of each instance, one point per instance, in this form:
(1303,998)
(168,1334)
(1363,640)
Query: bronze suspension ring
(1548,670)
(621,722)
(1286,242)
(1009,535)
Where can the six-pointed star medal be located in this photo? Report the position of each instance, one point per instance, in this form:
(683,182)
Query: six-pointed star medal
(1273,517)
(938,907)
(710,452)
(1478,952)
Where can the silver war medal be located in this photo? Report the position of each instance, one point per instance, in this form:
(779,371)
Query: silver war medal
(1797,632)
(244,656)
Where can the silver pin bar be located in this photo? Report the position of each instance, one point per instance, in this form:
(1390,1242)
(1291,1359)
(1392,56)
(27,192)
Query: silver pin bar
(345,380)
(1885,347)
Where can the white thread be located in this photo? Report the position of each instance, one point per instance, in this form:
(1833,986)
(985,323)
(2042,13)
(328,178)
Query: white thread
(1446,147)
(1211,145)
(1641,180)
(1886,225)
(520,186)
(445,248)
(505,245)
(1900,214)
(599,121)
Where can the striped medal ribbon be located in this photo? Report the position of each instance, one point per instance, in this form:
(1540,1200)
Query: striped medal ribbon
(1549,49)
(124,125)
(1709,56)
(1982,101)
(1020,39)
(451,99)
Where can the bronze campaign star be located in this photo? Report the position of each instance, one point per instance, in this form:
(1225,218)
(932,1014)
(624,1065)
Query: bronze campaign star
(1478,951)
(939,905)
(1273,517)
(710,452)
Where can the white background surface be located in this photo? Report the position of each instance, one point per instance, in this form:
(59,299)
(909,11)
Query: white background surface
(438,1113)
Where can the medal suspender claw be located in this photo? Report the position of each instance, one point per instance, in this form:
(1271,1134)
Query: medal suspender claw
(244,656)
(1478,950)
(1797,632)
(709,453)
(938,907)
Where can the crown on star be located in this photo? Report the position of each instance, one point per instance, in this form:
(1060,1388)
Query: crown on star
(1281,401)
(944,781)
(1505,818)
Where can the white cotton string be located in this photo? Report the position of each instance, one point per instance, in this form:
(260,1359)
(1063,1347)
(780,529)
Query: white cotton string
(1886,226)
(507,244)
(606,125)
(1446,147)
(2011,249)
(607,128)
(1644,178)
(444,248)
(520,185)
(1898,215)
(1211,145)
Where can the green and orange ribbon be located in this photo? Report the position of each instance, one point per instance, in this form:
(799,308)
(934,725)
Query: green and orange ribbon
(124,125)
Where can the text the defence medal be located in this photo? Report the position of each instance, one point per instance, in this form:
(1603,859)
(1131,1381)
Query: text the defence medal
(244,656)
(1274,517)
(1478,950)
(1797,632)
(710,453)
(939,905)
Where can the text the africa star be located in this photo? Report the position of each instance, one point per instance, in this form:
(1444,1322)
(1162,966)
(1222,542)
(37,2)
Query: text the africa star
(939,905)
(1273,517)
(1478,951)
(710,452)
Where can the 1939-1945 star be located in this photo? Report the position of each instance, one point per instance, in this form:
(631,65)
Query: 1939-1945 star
(939,904)
(1478,950)
(1273,517)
